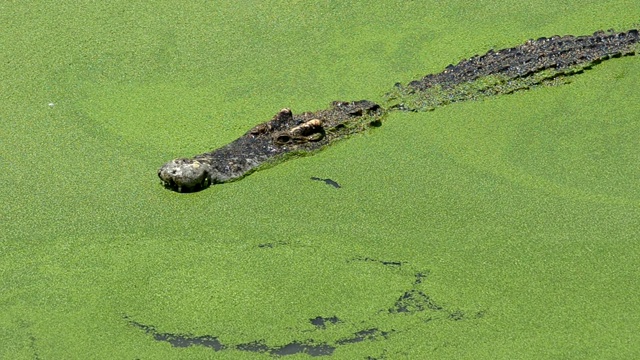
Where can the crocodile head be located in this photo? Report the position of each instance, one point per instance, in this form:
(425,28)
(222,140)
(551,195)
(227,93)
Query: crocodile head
(185,175)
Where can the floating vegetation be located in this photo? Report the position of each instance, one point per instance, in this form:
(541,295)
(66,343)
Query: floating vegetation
(412,302)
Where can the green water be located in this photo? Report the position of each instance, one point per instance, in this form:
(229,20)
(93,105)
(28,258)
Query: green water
(522,211)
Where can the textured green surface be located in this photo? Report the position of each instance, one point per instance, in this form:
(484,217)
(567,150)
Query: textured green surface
(524,210)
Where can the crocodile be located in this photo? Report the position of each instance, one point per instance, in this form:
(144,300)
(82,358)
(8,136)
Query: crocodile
(285,135)
(545,61)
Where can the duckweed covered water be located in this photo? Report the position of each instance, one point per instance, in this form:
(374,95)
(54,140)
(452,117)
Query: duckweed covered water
(503,228)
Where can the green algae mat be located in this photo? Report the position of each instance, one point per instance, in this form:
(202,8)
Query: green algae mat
(502,228)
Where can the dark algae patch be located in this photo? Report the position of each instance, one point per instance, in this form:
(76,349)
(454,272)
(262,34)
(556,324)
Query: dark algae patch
(411,302)
(321,322)
(327,181)
(545,61)
(179,340)
(383,262)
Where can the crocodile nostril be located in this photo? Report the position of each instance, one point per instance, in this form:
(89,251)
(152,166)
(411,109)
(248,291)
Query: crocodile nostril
(283,138)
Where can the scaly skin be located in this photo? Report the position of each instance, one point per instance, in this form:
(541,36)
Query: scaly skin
(270,142)
(536,62)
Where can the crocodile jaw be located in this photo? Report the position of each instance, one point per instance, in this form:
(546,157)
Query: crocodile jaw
(185,175)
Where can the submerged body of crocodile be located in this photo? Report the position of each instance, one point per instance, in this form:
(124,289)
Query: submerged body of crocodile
(536,62)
